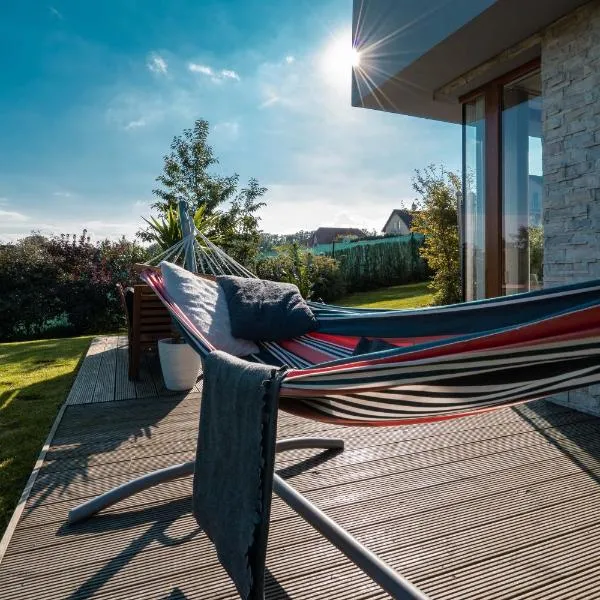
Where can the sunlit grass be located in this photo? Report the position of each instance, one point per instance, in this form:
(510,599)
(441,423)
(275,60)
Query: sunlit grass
(35,378)
(411,295)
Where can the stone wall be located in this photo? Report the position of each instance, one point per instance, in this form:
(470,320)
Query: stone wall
(571,159)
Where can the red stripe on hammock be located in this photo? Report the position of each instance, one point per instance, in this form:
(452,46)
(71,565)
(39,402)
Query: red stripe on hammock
(572,324)
(308,353)
(350,341)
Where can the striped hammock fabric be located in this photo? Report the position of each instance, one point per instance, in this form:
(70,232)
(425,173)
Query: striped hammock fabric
(450,361)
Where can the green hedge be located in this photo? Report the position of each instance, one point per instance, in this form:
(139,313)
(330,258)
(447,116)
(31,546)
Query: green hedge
(63,286)
(392,261)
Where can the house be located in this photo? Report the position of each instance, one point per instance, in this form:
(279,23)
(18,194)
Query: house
(523,80)
(328,235)
(398,223)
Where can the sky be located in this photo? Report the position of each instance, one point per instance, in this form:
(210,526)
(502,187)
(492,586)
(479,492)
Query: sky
(93,93)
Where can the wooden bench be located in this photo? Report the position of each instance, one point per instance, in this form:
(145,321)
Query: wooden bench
(147,322)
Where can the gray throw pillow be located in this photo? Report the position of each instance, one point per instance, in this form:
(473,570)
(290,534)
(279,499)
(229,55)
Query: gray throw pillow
(263,310)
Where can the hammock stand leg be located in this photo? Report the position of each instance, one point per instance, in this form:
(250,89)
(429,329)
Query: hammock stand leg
(398,587)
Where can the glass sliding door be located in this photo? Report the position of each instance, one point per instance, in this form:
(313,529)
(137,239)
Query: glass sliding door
(522,231)
(473,201)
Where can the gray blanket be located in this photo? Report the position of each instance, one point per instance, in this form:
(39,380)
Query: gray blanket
(235,459)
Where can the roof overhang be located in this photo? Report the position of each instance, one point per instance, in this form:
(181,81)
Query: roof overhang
(414,54)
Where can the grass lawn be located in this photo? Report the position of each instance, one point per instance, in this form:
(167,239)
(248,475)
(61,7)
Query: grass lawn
(411,295)
(35,378)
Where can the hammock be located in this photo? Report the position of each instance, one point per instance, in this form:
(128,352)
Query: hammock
(450,361)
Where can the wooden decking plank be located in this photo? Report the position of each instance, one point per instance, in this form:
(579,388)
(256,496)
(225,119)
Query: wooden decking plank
(124,387)
(104,390)
(316,555)
(92,442)
(144,385)
(85,382)
(460,539)
(516,572)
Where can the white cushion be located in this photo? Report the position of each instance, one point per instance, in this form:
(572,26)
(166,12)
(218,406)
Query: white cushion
(203,302)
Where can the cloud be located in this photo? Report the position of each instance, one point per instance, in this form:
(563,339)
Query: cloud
(97,229)
(3,201)
(227,74)
(196,68)
(135,124)
(56,13)
(289,59)
(330,202)
(157,64)
(216,76)
(269,101)
(229,128)
(62,194)
(9,216)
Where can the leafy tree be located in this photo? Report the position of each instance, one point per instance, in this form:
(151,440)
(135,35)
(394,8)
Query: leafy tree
(536,251)
(186,173)
(437,218)
(238,227)
(187,176)
(270,241)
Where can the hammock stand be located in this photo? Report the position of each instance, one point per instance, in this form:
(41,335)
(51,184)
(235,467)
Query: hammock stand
(451,361)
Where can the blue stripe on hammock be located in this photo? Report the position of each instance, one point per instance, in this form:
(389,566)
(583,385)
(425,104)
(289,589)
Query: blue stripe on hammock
(468,318)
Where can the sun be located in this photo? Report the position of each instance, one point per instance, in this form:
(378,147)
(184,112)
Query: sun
(339,58)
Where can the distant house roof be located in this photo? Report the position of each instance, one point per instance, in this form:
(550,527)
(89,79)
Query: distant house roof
(327,235)
(403,214)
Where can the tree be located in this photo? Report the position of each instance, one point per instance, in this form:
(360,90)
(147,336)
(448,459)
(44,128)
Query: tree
(436,218)
(186,173)
(187,176)
(239,233)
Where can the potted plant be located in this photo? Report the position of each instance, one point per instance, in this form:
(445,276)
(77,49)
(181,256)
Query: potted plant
(179,362)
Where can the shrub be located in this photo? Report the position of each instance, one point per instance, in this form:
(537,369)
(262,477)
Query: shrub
(317,277)
(65,285)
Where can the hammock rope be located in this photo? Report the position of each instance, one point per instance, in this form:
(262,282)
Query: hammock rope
(198,253)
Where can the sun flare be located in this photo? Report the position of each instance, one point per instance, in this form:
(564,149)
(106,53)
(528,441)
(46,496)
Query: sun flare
(339,58)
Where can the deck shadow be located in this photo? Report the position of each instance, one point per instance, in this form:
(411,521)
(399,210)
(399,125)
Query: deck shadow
(580,444)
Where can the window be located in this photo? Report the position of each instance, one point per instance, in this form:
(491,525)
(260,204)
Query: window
(501,212)
(522,233)
(473,205)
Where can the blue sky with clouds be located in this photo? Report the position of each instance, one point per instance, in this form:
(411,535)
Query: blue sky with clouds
(93,93)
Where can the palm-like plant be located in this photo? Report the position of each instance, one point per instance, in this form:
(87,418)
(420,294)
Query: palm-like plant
(166,231)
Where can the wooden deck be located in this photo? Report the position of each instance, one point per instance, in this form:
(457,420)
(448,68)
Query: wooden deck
(103,375)
(502,505)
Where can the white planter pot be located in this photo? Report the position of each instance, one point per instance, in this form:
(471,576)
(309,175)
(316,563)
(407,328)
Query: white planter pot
(180,365)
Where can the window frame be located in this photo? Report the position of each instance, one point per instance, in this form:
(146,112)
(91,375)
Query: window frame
(492,93)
